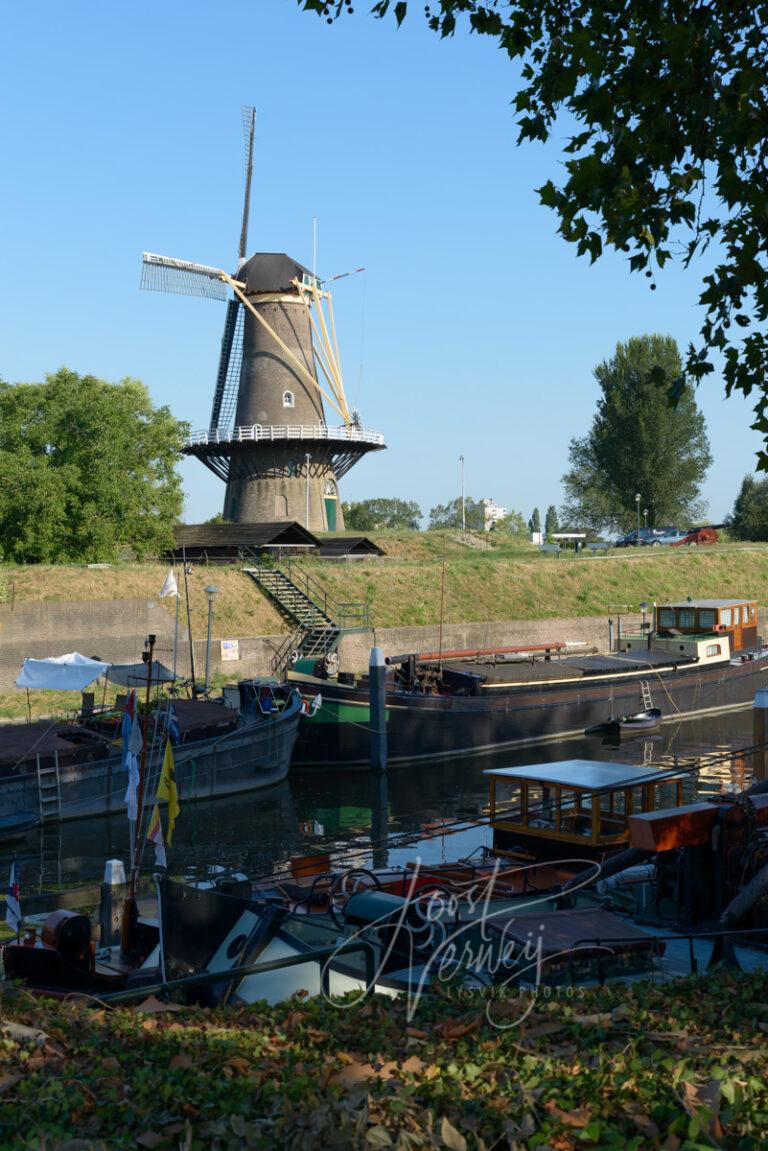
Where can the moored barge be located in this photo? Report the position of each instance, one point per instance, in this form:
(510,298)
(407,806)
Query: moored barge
(696,658)
(71,770)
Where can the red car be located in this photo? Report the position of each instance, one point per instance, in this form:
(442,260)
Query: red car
(697,537)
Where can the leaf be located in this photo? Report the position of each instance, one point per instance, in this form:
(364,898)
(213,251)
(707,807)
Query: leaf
(401,9)
(183,1059)
(602,1019)
(23,1034)
(238,1063)
(452,1138)
(622,1013)
(151,1139)
(378,1137)
(155,1006)
(8,1081)
(356,1073)
(641,1120)
(353,1074)
(458,1028)
(702,1101)
(579,1117)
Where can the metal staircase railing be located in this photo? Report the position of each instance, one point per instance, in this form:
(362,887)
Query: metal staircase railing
(343,614)
(319,619)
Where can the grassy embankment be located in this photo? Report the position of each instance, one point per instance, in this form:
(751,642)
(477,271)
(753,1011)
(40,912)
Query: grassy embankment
(678,1067)
(507,582)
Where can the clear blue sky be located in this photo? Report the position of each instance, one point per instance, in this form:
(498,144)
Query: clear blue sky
(474,329)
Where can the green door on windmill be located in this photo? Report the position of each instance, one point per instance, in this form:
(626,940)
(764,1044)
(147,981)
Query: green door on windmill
(330,513)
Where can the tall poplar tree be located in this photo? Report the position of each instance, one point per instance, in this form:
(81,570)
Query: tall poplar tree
(638,445)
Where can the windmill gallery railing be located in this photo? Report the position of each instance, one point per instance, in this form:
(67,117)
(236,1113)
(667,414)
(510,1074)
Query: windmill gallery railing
(254,432)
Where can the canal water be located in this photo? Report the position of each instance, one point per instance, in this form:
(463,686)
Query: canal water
(356,817)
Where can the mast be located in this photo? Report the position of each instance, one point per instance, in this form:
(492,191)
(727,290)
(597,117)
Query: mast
(129,907)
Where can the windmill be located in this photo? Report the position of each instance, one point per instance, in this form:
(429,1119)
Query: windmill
(268,437)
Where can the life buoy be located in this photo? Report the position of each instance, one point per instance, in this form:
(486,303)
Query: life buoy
(294,656)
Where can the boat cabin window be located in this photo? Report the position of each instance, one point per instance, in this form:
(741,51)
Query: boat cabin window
(706,619)
(667,617)
(686,618)
(726,616)
(735,615)
(714,649)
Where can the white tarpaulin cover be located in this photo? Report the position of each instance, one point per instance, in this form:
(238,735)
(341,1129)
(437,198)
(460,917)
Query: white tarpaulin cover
(135,674)
(71,672)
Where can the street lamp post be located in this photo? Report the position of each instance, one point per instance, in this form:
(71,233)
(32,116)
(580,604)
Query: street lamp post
(308,460)
(463,514)
(645,517)
(637,503)
(210,591)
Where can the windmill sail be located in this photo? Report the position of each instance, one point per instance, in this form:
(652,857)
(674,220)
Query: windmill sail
(231,357)
(228,375)
(249,134)
(182,277)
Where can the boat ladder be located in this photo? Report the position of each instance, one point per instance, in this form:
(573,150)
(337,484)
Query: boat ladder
(645,691)
(49,790)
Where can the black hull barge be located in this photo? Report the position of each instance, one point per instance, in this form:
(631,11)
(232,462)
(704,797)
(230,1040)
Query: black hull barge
(441,711)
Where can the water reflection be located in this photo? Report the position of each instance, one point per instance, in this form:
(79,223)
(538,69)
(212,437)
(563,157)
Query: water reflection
(349,814)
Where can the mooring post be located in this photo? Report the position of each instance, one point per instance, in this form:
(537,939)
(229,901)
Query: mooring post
(113,891)
(377,706)
(610,633)
(759,727)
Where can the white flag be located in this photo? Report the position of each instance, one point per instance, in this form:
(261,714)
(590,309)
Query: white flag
(12,907)
(170,586)
(135,744)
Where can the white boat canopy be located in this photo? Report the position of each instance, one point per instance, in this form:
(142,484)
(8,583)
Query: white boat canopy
(71,672)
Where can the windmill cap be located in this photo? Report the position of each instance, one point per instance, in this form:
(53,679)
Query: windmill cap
(270,272)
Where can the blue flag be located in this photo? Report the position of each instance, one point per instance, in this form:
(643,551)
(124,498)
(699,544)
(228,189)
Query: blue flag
(174,732)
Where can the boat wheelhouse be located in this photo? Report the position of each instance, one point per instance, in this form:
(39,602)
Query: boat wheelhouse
(708,621)
(573,808)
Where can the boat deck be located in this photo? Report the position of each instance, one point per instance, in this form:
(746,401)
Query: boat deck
(569,667)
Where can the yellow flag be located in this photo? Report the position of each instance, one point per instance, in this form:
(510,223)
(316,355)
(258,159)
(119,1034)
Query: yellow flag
(166,789)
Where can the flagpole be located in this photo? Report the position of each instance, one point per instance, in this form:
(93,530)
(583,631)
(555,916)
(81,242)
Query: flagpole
(129,907)
(176,636)
(189,624)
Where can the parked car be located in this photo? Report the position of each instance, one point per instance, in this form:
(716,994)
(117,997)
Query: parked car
(673,536)
(640,538)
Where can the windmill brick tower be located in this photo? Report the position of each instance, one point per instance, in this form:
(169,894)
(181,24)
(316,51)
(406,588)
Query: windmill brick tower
(268,437)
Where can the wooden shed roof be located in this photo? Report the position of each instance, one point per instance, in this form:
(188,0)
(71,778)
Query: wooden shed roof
(349,546)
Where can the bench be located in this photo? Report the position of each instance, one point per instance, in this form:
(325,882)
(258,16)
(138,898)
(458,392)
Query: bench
(550,549)
(600,546)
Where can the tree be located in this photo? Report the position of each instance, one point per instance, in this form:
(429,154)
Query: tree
(671,106)
(513,524)
(377,514)
(551,524)
(749,520)
(638,445)
(534,523)
(449,515)
(86,469)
